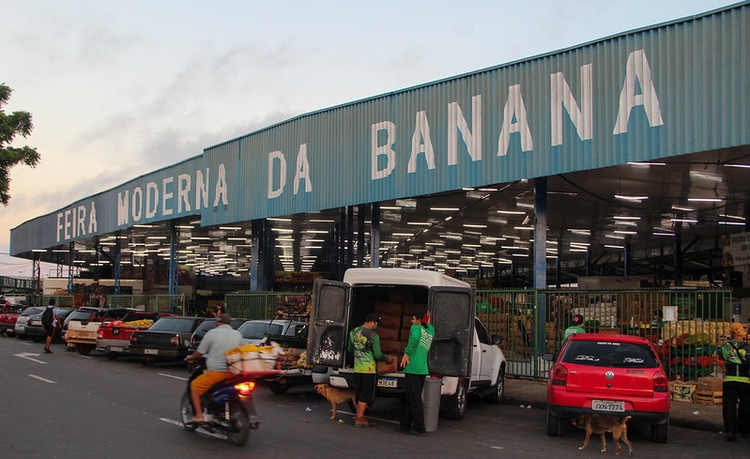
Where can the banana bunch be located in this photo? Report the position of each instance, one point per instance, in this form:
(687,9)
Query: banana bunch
(141,323)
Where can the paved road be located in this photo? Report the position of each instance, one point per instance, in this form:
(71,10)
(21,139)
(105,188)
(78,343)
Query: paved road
(65,405)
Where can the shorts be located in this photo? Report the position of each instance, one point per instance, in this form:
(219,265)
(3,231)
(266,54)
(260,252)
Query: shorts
(365,387)
(49,331)
(202,383)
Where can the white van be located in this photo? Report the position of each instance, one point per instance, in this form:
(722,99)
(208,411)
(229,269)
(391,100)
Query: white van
(462,352)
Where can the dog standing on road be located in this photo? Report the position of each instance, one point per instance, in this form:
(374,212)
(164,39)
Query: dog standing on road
(600,424)
(335,395)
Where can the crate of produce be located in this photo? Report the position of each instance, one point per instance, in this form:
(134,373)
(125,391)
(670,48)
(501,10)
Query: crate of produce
(681,391)
(708,397)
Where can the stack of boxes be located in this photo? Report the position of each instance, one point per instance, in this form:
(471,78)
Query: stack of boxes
(395,323)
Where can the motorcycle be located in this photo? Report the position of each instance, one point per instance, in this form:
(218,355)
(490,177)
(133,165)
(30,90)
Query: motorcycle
(228,407)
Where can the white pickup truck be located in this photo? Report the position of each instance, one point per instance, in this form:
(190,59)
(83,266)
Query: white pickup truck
(462,352)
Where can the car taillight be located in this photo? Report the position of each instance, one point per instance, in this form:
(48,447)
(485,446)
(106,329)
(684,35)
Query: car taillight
(660,382)
(174,341)
(99,334)
(559,375)
(245,387)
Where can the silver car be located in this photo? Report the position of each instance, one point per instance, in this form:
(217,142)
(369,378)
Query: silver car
(253,331)
(23,320)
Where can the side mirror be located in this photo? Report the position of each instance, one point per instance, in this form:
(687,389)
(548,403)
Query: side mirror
(497,340)
(549,357)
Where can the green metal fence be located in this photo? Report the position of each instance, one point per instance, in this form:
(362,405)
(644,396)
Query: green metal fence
(685,326)
(255,305)
(153,303)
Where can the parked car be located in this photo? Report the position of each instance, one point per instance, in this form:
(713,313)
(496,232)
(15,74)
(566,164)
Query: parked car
(254,331)
(8,318)
(20,328)
(618,375)
(82,332)
(205,326)
(34,328)
(113,336)
(167,339)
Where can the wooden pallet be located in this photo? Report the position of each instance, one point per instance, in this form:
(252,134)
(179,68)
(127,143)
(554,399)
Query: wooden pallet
(707,397)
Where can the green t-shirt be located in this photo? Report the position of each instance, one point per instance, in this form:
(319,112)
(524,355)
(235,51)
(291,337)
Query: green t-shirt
(730,353)
(365,344)
(572,330)
(420,340)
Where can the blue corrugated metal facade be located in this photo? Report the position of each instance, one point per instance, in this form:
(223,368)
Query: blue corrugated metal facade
(669,90)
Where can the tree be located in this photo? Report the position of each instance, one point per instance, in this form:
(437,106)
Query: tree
(10,126)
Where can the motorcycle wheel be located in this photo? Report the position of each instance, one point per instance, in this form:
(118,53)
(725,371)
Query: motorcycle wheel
(187,413)
(238,427)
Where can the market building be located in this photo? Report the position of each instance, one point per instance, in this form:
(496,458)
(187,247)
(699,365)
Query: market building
(624,158)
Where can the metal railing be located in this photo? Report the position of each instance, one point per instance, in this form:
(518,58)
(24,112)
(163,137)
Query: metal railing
(685,326)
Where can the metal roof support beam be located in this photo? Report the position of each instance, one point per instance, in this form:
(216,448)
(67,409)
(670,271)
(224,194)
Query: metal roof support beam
(628,255)
(117,267)
(540,259)
(72,246)
(174,237)
(361,235)
(349,236)
(36,275)
(375,236)
(677,259)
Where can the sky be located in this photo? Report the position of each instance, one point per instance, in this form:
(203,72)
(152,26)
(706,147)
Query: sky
(119,89)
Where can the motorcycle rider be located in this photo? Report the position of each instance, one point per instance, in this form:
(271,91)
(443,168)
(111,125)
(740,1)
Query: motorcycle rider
(216,342)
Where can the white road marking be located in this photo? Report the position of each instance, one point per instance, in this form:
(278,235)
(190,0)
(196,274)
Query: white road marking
(178,423)
(30,356)
(166,375)
(84,356)
(48,381)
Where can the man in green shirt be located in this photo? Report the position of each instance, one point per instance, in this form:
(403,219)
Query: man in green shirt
(364,343)
(736,384)
(575,328)
(414,363)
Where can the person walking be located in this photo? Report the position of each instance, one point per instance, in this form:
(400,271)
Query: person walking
(736,384)
(414,363)
(50,321)
(575,328)
(364,343)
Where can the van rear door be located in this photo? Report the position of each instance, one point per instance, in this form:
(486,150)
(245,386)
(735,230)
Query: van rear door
(326,343)
(452,311)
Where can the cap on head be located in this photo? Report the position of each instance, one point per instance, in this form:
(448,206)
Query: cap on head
(420,315)
(224,318)
(373,317)
(578,319)
(737,329)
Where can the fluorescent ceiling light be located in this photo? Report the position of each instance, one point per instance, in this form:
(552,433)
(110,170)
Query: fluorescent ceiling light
(658,233)
(624,217)
(469,225)
(613,246)
(705,200)
(522,228)
(445,209)
(684,208)
(631,198)
(512,212)
(732,223)
(232,228)
(683,220)
(633,163)
(746,166)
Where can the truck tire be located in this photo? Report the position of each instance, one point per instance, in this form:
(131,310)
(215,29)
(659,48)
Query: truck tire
(454,406)
(499,389)
(85,349)
(279,386)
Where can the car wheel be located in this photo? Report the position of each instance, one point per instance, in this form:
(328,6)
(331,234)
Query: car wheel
(454,406)
(187,413)
(554,424)
(497,395)
(279,386)
(660,432)
(238,428)
(85,349)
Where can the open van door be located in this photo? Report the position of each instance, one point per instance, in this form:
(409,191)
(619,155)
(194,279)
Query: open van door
(453,310)
(326,341)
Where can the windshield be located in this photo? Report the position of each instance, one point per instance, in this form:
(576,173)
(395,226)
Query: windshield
(610,354)
(32,311)
(182,325)
(256,330)
(78,315)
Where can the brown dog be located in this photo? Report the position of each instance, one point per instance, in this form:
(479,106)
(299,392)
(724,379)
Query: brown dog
(600,424)
(335,395)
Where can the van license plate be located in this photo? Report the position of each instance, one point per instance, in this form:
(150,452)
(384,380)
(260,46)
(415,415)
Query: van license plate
(116,349)
(608,405)
(151,351)
(387,382)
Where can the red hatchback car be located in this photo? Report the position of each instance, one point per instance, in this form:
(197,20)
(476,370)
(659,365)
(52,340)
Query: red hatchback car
(608,374)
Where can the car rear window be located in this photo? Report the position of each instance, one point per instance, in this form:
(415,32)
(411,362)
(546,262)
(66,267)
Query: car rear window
(173,325)
(256,330)
(610,354)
